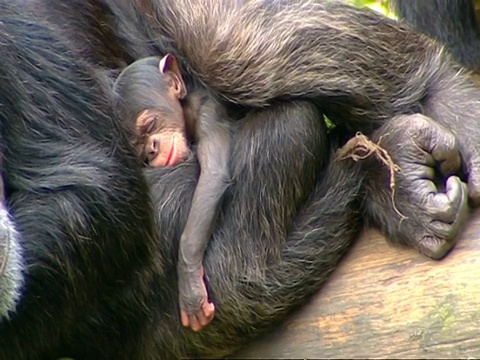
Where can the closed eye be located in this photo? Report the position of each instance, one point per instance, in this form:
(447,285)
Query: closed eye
(149,126)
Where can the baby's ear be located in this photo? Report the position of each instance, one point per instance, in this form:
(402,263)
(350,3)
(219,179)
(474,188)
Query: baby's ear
(167,62)
(168,66)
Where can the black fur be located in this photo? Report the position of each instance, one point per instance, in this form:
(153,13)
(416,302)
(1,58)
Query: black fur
(383,69)
(97,285)
(75,192)
(453,23)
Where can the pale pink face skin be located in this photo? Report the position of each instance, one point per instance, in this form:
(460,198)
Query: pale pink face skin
(163,139)
(165,143)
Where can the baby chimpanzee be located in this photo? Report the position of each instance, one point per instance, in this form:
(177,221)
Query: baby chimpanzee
(151,94)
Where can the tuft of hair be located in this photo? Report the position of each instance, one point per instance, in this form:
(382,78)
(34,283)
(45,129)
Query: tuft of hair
(11,268)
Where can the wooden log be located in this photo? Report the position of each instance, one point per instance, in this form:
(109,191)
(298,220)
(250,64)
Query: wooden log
(385,302)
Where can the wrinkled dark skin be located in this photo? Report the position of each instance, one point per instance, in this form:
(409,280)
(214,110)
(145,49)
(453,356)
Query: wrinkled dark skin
(454,24)
(434,201)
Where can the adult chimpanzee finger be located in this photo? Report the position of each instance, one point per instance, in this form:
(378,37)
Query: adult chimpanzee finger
(445,207)
(440,143)
(434,247)
(474,180)
(420,179)
(449,164)
(449,206)
(446,221)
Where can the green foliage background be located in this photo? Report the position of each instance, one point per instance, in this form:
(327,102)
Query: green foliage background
(377,5)
(382,6)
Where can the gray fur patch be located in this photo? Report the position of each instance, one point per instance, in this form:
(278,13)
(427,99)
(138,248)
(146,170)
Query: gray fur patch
(11,267)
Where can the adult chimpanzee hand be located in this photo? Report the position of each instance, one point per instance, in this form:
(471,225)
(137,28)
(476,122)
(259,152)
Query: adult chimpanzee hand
(427,159)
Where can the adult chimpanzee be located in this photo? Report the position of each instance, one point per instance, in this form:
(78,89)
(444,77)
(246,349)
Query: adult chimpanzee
(263,72)
(410,76)
(96,286)
(453,23)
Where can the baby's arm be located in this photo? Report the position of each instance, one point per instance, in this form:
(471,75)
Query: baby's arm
(213,152)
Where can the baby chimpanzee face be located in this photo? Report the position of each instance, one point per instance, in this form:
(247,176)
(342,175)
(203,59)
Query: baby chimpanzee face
(161,137)
(162,130)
